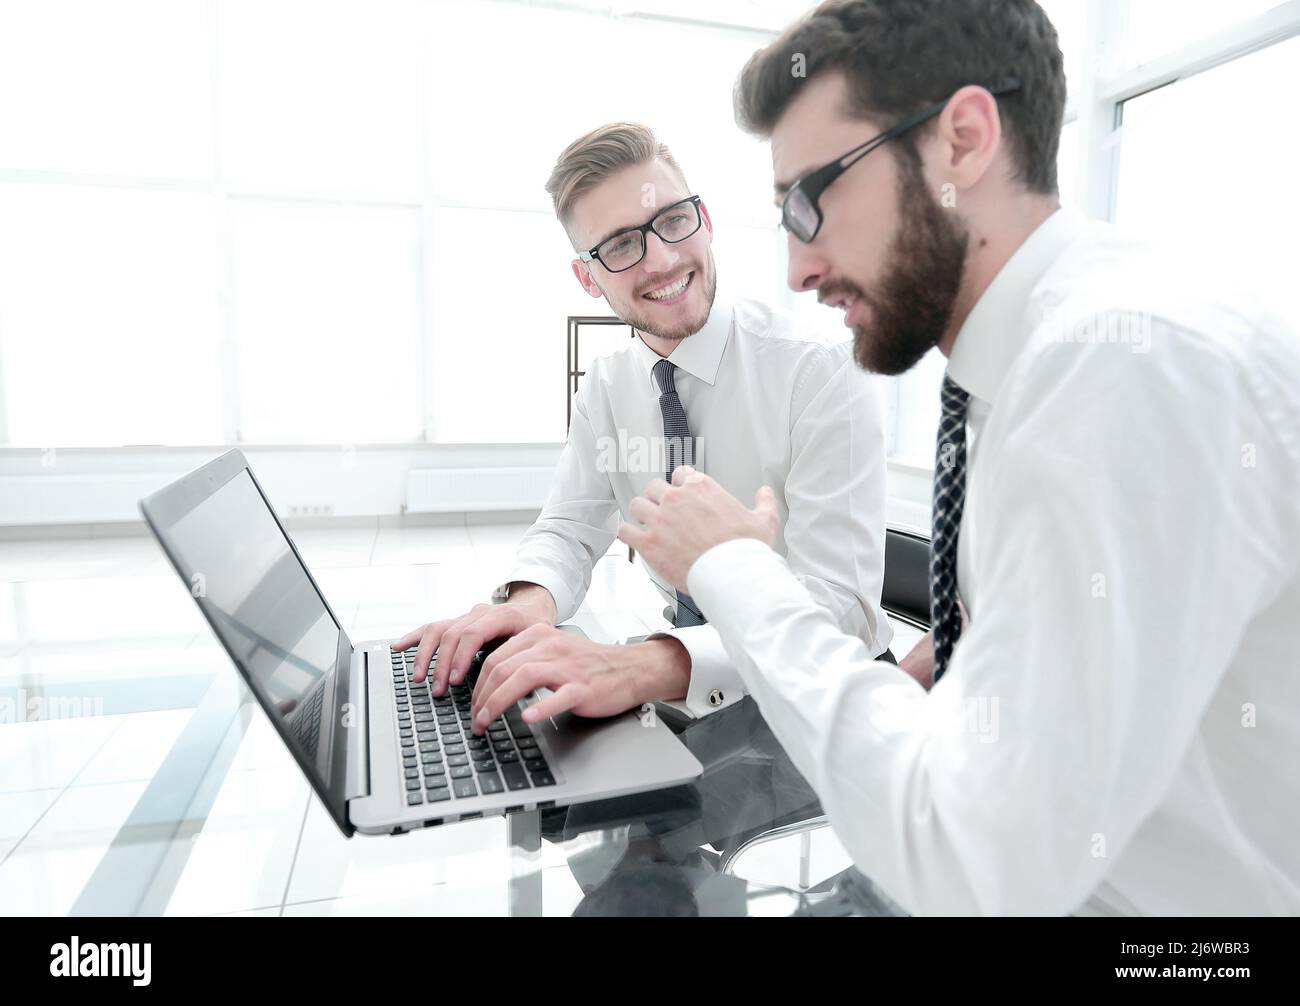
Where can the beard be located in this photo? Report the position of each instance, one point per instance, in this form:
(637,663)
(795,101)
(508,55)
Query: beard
(913,304)
(706,277)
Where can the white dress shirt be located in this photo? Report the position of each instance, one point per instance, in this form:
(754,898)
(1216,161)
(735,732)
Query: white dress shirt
(769,407)
(1119,728)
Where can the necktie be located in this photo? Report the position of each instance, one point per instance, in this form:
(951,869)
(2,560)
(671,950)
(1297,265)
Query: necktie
(679,449)
(949,497)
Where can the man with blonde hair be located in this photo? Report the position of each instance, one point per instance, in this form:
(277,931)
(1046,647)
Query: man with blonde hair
(731,387)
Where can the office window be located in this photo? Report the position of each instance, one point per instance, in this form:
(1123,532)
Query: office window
(115,88)
(1156,27)
(326,318)
(107,320)
(345,118)
(498,366)
(1206,163)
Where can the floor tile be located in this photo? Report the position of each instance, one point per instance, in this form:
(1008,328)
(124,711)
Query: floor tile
(46,873)
(243,856)
(403,546)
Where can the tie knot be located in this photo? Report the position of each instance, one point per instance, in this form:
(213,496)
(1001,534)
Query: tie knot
(954,398)
(664,376)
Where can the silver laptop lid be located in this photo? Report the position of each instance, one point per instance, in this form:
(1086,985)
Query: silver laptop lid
(235,558)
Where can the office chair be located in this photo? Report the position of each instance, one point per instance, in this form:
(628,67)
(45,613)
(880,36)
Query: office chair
(905,595)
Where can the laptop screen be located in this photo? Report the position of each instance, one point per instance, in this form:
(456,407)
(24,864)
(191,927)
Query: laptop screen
(267,612)
(228,547)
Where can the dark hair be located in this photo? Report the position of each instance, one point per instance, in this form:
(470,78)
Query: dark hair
(901,55)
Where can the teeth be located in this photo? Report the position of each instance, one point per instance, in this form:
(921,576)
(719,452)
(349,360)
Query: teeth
(670,291)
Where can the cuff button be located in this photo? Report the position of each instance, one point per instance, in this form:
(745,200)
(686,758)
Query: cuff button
(715,697)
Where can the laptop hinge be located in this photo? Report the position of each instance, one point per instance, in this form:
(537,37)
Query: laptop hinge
(358,736)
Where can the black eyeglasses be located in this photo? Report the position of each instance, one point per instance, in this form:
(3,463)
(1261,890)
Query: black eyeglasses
(800,213)
(620,252)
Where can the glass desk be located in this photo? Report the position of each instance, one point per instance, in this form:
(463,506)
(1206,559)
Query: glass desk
(166,791)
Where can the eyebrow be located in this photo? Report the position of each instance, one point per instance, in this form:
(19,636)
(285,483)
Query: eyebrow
(781,188)
(634,227)
(615,233)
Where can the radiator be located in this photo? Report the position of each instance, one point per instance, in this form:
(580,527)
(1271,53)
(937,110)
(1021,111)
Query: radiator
(443,490)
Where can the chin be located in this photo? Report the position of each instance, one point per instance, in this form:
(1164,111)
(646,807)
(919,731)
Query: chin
(889,356)
(677,321)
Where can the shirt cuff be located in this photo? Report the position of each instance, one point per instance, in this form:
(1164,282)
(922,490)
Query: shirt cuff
(565,601)
(715,682)
(711,580)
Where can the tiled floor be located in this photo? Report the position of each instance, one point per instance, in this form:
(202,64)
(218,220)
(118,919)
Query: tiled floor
(104,616)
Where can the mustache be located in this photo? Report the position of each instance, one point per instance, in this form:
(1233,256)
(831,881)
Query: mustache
(838,287)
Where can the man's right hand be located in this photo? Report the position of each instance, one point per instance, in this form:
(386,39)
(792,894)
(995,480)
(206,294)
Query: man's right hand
(456,640)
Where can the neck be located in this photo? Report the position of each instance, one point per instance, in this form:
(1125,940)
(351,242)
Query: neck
(664,347)
(992,245)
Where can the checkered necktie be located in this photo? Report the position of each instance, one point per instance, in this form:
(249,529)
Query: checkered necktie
(679,449)
(949,496)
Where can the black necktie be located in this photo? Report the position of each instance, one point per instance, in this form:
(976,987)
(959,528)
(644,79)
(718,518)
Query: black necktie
(949,497)
(679,449)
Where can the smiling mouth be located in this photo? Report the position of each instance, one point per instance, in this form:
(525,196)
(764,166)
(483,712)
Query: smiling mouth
(671,292)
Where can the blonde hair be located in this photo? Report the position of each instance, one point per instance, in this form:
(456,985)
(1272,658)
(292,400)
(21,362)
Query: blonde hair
(590,159)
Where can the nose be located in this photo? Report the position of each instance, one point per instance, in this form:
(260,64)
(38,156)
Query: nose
(808,268)
(659,255)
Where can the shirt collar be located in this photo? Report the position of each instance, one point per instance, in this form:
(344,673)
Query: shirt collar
(699,354)
(995,330)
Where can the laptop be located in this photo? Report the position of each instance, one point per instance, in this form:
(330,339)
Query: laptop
(384,755)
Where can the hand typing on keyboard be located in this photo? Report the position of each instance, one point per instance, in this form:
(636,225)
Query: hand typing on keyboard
(455,641)
(590,679)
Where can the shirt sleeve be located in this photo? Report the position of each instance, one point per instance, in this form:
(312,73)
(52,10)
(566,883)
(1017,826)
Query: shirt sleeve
(835,494)
(577,524)
(1121,555)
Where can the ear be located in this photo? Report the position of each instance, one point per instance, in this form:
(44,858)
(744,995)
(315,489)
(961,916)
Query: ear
(584,276)
(708,220)
(969,137)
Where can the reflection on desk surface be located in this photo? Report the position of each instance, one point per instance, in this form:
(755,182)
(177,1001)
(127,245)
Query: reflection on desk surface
(681,851)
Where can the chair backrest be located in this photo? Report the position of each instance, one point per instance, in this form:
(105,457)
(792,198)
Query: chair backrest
(906,591)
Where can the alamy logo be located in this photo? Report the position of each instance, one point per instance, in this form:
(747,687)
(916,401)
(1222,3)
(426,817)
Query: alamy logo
(102,960)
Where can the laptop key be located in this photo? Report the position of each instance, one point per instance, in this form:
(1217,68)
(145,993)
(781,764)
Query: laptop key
(490,782)
(462,772)
(412,783)
(466,787)
(514,775)
(543,779)
(414,798)
(439,793)
(507,756)
(485,766)
(537,764)
(457,760)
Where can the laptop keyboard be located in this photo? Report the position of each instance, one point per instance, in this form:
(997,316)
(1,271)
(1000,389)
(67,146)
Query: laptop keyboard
(441,759)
